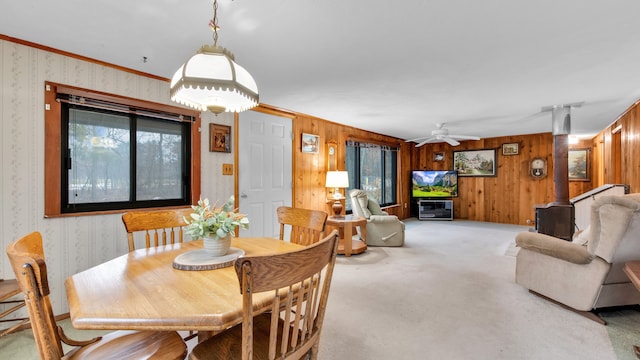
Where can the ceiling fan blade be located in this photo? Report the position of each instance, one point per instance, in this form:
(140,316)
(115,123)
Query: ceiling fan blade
(451,141)
(420,138)
(464,137)
(426,141)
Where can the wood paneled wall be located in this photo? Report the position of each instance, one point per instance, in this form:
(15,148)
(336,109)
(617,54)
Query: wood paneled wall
(509,197)
(615,155)
(310,169)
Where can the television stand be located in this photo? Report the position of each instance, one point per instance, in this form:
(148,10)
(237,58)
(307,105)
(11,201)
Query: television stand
(435,210)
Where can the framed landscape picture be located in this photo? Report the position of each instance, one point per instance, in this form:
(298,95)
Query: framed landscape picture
(310,143)
(578,164)
(475,162)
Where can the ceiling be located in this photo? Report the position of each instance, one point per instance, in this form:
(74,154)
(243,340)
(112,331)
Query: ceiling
(484,68)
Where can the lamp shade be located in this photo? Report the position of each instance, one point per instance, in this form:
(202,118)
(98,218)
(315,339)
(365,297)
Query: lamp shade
(211,80)
(337,179)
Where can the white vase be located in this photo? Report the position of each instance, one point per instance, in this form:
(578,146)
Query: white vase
(216,246)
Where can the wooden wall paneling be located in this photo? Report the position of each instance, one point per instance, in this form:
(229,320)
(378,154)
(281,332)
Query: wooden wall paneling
(508,183)
(616,143)
(525,187)
(606,136)
(310,171)
(510,197)
(496,187)
(607,157)
(319,198)
(308,181)
(597,155)
(633,160)
(404,180)
(630,167)
(526,183)
(630,161)
(630,130)
(534,191)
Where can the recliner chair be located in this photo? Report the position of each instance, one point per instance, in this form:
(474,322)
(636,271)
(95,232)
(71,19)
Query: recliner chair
(586,273)
(382,229)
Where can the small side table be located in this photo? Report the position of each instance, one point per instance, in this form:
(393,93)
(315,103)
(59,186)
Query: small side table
(345,225)
(632,269)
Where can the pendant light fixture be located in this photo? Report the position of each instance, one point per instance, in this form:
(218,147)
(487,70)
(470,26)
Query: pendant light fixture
(211,80)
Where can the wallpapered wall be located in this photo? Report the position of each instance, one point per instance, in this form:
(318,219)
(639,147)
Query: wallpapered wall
(71,244)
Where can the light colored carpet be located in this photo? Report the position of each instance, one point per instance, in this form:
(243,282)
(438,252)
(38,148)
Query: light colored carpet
(449,293)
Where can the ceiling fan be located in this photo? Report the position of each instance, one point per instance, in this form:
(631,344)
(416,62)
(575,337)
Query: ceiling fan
(441,134)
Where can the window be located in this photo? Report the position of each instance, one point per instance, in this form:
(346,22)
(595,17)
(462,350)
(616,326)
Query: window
(118,154)
(372,168)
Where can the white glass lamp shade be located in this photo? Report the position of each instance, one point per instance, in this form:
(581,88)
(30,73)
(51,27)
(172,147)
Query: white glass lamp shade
(337,180)
(211,80)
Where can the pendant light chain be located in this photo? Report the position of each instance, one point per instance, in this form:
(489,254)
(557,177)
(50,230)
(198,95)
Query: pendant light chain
(214,23)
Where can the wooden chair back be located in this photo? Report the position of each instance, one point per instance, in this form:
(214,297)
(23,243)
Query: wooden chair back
(9,288)
(26,256)
(307,226)
(27,260)
(299,284)
(161,227)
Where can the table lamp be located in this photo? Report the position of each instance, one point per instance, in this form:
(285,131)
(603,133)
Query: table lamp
(337,180)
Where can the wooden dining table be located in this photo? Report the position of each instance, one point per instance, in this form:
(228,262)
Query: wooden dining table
(143,291)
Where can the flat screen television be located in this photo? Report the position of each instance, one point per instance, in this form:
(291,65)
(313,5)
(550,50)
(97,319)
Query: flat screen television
(433,184)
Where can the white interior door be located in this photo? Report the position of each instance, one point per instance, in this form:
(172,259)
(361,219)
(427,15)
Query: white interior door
(264,171)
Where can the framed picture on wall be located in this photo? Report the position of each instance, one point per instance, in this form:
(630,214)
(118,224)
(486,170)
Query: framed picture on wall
(510,149)
(578,164)
(219,138)
(310,143)
(438,156)
(475,162)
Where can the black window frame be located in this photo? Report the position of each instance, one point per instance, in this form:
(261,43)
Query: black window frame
(355,177)
(134,114)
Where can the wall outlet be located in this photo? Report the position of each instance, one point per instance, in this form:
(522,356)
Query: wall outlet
(227,169)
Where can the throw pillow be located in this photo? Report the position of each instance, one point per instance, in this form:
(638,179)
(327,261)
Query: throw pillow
(364,202)
(374,208)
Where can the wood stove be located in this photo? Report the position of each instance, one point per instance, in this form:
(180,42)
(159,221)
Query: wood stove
(555,220)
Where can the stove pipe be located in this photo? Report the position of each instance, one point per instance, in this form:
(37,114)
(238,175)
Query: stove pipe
(561,127)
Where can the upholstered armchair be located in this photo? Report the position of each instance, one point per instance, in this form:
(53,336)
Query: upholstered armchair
(382,229)
(586,273)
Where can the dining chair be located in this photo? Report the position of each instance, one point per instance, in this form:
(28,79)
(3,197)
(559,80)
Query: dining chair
(160,227)
(299,285)
(307,226)
(9,288)
(26,256)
